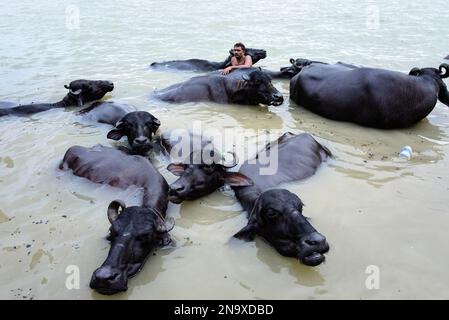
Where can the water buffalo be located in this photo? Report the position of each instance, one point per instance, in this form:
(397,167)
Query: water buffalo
(135,231)
(138,127)
(199,65)
(200,166)
(276,214)
(242,86)
(369,97)
(80,93)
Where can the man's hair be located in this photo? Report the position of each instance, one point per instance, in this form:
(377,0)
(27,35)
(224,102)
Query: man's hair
(241,45)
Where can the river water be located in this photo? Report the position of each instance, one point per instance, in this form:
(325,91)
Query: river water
(383,216)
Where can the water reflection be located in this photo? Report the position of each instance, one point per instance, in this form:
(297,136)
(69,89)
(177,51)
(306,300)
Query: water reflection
(303,275)
(371,154)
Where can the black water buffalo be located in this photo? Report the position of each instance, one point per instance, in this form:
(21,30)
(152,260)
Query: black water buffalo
(135,231)
(199,65)
(242,86)
(369,97)
(80,93)
(200,166)
(276,214)
(138,127)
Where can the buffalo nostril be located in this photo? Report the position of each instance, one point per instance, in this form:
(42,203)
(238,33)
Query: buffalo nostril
(278,96)
(176,188)
(106,274)
(113,276)
(179,188)
(314,239)
(310,242)
(141,140)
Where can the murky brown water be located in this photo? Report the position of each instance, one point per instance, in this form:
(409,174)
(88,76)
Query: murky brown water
(374,208)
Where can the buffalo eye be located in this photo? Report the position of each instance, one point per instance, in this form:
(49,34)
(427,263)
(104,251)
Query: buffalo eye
(152,126)
(112,234)
(271,213)
(144,237)
(123,125)
(207,168)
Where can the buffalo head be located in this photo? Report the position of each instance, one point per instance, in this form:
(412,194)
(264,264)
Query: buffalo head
(139,127)
(258,89)
(200,178)
(85,91)
(277,217)
(134,233)
(437,75)
(295,67)
(442,72)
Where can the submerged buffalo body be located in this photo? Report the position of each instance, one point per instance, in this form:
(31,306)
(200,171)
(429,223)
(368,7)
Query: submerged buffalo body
(276,214)
(80,93)
(199,65)
(242,86)
(369,97)
(108,112)
(134,231)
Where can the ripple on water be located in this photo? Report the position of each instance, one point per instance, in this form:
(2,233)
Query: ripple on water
(364,200)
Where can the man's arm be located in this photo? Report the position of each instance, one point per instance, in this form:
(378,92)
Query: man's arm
(248,64)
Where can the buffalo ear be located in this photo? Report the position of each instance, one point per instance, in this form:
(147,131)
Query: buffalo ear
(415,72)
(247,233)
(155,124)
(115,134)
(113,210)
(66,86)
(236,179)
(165,240)
(176,168)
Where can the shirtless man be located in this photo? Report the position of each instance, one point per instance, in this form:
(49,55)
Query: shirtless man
(239,60)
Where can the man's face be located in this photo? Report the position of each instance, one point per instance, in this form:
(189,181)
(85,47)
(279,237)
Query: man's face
(238,52)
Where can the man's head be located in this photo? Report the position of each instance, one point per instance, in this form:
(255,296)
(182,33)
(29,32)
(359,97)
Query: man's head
(239,50)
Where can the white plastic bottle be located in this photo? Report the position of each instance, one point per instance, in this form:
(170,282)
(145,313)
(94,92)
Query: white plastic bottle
(406,152)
